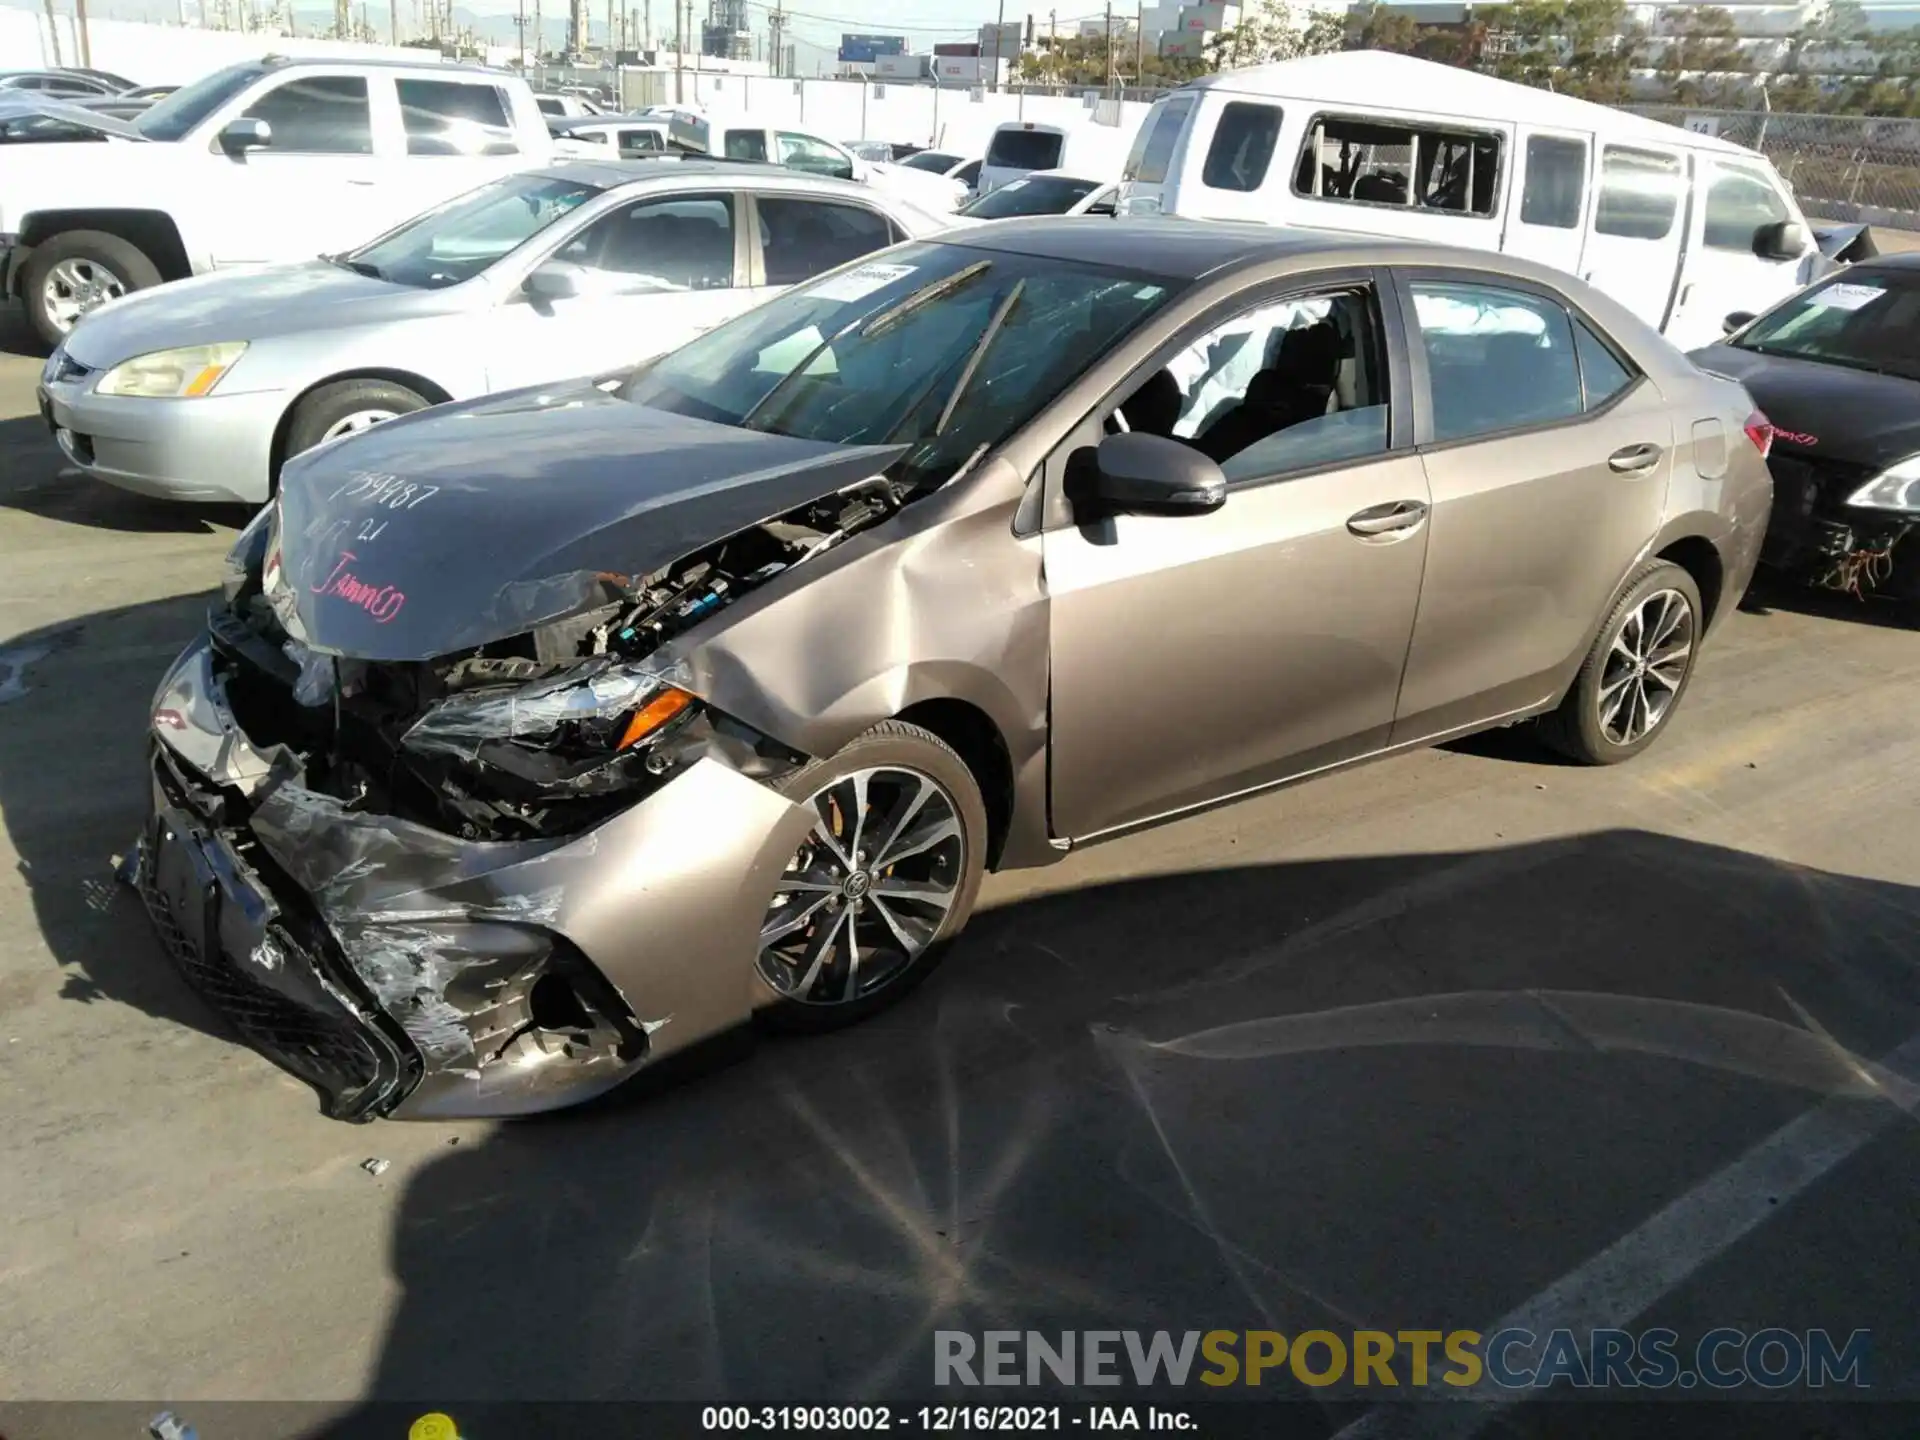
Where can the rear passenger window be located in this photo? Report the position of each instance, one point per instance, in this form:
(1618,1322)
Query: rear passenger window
(1496,359)
(801,238)
(1603,374)
(685,243)
(1739,205)
(746,145)
(318,115)
(1368,163)
(1153,147)
(447,118)
(1242,147)
(1639,194)
(1556,182)
(641,142)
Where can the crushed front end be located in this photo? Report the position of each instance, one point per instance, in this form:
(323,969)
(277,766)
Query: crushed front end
(492,882)
(1842,525)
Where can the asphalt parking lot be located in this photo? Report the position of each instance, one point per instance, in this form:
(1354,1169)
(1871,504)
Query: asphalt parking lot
(1465,1036)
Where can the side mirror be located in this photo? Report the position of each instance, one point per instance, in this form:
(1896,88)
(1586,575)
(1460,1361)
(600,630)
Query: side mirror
(246,134)
(1151,475)
(554,280)
(1782,240)
(1739,319)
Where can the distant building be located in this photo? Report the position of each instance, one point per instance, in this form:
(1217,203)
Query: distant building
(866,49)
(727,34)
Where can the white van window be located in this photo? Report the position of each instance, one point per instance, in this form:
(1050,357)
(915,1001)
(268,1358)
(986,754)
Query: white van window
(1556,182)
(1153,146)
(1366,162)
(1639,193)
(1242,147)
(1740,204)
(1025,149)
(746,145)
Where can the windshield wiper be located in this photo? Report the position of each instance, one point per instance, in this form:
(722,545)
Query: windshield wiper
(978,354)
(866,326)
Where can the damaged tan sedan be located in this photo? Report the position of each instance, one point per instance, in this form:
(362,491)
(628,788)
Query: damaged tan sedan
(539,737)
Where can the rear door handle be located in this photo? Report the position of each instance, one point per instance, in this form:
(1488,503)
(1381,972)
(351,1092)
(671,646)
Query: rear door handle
(1388,519)
(1633,459)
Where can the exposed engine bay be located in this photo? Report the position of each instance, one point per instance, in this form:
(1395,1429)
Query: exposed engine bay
(542,734)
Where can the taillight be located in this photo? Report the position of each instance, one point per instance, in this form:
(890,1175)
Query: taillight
(1760,431)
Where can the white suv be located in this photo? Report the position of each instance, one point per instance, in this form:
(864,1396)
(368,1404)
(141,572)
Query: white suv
(276,159)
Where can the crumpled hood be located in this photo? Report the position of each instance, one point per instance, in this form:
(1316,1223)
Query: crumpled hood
(471,523)
(1828,410)
(251,305)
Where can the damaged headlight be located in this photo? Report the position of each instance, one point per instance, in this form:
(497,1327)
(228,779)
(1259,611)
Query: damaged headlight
(1895,488)
(596,706)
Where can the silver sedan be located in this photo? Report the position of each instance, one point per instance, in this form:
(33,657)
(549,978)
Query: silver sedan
(200,390)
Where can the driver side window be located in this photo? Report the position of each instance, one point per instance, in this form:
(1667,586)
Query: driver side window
(685,243)
(1289,385)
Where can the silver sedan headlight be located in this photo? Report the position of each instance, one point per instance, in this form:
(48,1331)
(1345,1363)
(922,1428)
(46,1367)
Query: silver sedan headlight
(183,374)
(1895,488)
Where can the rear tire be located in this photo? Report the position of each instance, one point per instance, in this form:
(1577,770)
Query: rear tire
(1637,672)
(905,810)
(346,407)
(77,271)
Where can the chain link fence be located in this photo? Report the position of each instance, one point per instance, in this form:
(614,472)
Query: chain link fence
(1842,167)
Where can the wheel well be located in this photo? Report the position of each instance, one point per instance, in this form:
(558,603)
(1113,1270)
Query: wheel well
(1700,560)
(152,230)
(976,739)
(417,383)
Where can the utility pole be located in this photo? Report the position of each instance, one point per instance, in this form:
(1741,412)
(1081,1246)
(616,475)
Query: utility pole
(646,26)
(608,47)
(1139,40)
(999,40)
(53,31)
(520,24)
(539,35)
(679,57)
(86,42)
(776,37)
(1109,47)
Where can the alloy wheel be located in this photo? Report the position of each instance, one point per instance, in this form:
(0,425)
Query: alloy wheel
(867,890)
(75,286)
(356,422)
(1646,665)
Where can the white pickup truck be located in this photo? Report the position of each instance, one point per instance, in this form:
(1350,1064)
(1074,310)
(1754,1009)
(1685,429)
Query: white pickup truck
(271,160)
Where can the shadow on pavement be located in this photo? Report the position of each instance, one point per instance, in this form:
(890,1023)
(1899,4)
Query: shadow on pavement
(73,792)
(1895,607)
(35,479)
(1389,1092)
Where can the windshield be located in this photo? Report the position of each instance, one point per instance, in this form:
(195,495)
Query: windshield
(943,348)
(172,117)
(931,160)
(1052,195)
(465,236)
(1865,319)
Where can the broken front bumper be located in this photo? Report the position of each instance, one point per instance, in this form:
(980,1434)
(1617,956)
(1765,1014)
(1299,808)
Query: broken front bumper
(402,971)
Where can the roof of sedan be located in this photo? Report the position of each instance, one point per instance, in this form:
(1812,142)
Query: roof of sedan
(609,173)
(1161,245)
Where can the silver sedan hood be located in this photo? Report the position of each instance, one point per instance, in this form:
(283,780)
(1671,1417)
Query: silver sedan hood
(263,304)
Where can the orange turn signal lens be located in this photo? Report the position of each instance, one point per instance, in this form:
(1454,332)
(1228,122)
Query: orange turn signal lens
(652,715)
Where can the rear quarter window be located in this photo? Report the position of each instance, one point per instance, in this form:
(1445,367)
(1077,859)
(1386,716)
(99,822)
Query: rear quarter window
(1242,147)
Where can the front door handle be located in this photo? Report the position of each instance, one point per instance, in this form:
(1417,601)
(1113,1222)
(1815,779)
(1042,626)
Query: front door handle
(1633,459)
(1396,515)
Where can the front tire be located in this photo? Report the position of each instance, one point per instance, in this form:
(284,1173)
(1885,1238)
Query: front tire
(1637,672)
(881,884)
(347,407)
(79,271)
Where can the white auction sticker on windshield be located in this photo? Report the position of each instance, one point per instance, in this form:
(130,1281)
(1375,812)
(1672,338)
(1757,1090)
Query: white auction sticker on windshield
(860,283)
(1846,296)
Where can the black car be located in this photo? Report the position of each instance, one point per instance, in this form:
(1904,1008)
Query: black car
(1837,370)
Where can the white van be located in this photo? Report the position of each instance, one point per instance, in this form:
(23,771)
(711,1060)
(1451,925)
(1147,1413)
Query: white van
(1020,147)
(741,138)
(1682,228)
